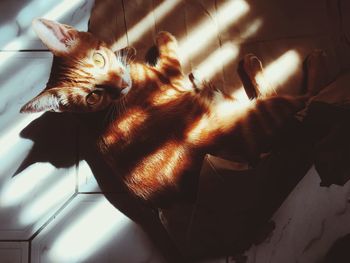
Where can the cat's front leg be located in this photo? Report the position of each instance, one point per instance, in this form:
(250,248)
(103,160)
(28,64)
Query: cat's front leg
(168,61)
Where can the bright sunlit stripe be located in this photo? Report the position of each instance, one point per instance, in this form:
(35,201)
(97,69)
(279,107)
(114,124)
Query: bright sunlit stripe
(88,233)
(22,41)
(253,27)
(279,71)
(240,94)
(198,38)
(11,137)
(24,183)
(138,30)
(49,197)
(62,8)
(217,60)
(275,74)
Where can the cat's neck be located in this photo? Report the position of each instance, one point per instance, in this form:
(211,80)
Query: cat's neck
(143,74)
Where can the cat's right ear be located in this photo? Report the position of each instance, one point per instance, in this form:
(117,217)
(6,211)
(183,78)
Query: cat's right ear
(48,100)
(128,52)
(59,38)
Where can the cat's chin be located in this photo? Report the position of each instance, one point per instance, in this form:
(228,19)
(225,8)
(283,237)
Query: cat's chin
(125,90)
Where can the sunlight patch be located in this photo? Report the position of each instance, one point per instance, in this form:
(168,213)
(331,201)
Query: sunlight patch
(88,233)
(11,137)
(24,184)
(214,63)
(138,30)
(47,199)
(278,72)
(199,37)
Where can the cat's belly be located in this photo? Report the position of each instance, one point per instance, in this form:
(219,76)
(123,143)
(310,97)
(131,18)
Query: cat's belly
(169,170)
(157,172)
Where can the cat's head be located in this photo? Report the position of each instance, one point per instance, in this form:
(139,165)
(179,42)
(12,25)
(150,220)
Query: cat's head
(85,75)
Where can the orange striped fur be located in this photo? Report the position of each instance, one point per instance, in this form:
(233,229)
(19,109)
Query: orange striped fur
(162,127)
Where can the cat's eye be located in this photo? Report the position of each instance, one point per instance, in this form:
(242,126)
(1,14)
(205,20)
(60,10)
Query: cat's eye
(94,97)
(99,60)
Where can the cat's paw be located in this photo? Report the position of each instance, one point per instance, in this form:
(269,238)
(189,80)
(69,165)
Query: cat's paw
(165,38)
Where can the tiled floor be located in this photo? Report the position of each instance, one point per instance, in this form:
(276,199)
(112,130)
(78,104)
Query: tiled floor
(51,207)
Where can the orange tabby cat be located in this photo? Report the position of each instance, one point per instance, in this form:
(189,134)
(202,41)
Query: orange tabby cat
(163,127)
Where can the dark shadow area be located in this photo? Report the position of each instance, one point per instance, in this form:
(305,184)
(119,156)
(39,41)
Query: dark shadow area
(339,251)
(329,126)
(54,135)
(55,141)
(234,207)
(249,198)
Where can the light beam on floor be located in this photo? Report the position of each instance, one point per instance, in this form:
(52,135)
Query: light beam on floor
(11,137)
(88,233)
(18,188)
(138,30)
(277,73)
(198,38)
(47,199)
(218,59)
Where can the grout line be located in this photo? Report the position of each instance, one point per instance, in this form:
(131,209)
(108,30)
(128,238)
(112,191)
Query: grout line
(126,29)
(254,41)
(217,23)
(154,18)
(24,50)
(77,158)
(14,240)
(154,31)
(52,217)
(90,193)
(103,193)
(30,251)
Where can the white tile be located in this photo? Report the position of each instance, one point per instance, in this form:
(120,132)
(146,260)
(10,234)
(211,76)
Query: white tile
(15,22)
(42,146)
(86,179)
(90,229)
(14,252)
(307,223)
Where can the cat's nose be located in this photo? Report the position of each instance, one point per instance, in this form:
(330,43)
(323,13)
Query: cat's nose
(125,81)
(120,80)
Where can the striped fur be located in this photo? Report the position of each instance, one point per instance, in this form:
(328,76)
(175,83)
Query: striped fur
(162,128)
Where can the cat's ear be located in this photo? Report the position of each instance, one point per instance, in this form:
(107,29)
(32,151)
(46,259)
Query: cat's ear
(59,38)
(128,52)
(48,100)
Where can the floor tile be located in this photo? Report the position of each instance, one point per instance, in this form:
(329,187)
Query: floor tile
(35,180)
(86,180)
(15,24)
(14,252)
(90,229)
(307,223)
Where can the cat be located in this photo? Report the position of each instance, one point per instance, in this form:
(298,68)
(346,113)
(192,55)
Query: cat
(161,126)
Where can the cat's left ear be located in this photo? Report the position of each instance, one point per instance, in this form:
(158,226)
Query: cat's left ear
(48,100)
(59,38)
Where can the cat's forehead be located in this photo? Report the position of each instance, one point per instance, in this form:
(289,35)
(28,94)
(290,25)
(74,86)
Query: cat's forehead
(86,44)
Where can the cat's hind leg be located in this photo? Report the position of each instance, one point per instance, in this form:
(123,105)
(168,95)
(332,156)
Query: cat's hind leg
(255,83)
